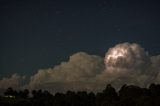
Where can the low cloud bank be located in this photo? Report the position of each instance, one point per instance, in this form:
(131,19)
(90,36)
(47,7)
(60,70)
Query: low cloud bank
(15,81)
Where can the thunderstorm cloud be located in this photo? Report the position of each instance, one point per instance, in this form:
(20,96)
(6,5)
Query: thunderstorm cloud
(125,63)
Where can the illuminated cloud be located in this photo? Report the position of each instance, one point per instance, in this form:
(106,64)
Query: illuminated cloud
(74,74)
(124,63)
(129,64)
(127,55)
(14,81)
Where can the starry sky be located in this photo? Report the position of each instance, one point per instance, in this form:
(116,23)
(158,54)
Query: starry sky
(37,34)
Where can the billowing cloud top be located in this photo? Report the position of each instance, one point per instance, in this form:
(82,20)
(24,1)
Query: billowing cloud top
(80,69)
(124,63)
(127,55)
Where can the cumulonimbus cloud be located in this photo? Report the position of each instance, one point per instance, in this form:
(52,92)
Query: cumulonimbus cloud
(124,63)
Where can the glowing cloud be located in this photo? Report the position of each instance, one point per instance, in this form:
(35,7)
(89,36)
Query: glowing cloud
(125,63)
(126,55)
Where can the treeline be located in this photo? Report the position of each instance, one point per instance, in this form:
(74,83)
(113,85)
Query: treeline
(128,95)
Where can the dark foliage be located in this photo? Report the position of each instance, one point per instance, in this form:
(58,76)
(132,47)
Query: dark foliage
(128,95)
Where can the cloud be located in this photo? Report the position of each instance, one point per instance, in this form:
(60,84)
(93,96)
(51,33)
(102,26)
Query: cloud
(124,63)
(126,55)
(14,81)
(130,64)
(74,74)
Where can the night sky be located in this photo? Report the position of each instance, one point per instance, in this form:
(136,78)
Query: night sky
(43,33)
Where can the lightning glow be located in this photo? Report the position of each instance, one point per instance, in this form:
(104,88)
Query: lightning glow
(115,53)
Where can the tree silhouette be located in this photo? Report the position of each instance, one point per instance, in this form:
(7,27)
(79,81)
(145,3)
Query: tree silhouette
(130,91)
(128,95)
(155,89)
(10,92)
(107,97)
(24,94)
